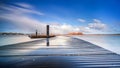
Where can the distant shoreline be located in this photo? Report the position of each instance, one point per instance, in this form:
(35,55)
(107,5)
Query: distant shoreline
(12,33)
(101,34)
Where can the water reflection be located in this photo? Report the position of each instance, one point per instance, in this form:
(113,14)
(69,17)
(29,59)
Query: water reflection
(47,43)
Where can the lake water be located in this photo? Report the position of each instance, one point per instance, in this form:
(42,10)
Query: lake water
(110,42)
(13,39)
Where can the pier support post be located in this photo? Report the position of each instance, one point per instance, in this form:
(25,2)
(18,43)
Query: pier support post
(36,33)
(47,35)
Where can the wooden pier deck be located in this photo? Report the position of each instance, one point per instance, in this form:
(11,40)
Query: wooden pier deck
(63,52)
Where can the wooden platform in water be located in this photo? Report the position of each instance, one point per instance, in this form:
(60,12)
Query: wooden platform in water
(41,36)
(63,52)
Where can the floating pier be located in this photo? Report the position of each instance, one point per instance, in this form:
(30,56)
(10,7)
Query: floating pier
(63,52)
(40,36)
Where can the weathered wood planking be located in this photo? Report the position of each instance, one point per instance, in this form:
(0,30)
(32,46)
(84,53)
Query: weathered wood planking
(63,52)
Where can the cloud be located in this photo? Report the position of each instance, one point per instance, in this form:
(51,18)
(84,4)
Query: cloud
(20,10)
(64,28)
(97,24)
(24,5)
(24,22)
(95,27)
(96,21)
(81,20)
(84,29)
(21,18)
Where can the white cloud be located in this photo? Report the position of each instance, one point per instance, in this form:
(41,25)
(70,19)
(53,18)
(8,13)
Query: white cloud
(96,21)
(84,29)
(24,5)
(95,27)
(20,10)
(81,20)
(97,24)
(64,28)
(24,22)
(20,17)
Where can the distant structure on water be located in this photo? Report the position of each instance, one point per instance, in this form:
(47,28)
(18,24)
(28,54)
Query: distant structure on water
(75,33)
(36,35)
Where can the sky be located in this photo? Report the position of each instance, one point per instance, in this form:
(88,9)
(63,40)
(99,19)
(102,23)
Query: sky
(63,16)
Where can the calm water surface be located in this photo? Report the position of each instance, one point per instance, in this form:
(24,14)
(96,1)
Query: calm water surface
(13,39)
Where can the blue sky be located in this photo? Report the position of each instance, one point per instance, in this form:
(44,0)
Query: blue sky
(87,16)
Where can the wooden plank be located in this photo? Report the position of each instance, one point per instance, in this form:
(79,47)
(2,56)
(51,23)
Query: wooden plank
(63,52)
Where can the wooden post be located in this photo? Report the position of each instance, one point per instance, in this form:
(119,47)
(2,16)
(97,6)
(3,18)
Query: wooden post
(36,33)
(47,35)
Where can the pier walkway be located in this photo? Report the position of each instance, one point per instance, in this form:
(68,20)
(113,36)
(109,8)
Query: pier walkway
(63,52)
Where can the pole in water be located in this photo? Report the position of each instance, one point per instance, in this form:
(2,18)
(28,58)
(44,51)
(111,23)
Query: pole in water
(47,35)
(36,33)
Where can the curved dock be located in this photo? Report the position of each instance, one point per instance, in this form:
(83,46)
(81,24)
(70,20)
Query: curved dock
(63,52)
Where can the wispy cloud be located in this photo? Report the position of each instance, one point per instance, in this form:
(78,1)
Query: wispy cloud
(24,5)
(97,24)
(64,28)
(81,20)
(20,17)
(24,22)
(95,27)
(20,10)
